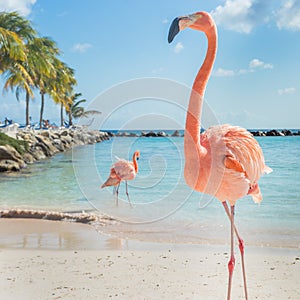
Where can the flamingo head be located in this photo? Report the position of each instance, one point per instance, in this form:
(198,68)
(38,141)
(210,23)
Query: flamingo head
(136,155)
(201,21)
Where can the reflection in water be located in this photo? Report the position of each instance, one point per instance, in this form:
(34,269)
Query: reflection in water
(114,243)
(55,235)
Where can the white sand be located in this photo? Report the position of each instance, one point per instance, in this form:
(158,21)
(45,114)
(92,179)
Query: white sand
(72,261)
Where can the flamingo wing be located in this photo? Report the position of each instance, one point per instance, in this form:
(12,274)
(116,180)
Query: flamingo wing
(124,169)
(245,156)
(112,179)
(231,163)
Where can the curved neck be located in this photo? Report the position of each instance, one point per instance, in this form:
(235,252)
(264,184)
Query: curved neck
(193,119)
(134,160)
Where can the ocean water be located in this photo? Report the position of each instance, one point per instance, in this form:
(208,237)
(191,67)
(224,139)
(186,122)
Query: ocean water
(164,208)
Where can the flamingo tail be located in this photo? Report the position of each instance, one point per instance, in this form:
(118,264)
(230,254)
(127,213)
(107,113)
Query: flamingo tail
(111,181)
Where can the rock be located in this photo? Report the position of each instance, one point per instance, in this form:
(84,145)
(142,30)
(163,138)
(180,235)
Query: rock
(9,166)
(38,153)
(287,132)
(151,134)
(258,133)
(10,153)
(161,134)
(59,145)
(28,158)
(64,133)
(272,133)
(45,143)
(66,140)
(176,133)
(10,159)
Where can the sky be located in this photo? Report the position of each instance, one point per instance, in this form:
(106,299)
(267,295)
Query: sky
(126,69)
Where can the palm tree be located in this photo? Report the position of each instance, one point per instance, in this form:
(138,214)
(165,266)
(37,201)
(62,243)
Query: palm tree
(28,62)
(61,88)
(18,78)
(42,54)
(74,110)
(15,31)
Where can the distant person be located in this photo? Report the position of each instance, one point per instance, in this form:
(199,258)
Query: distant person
(7,121)
(46,123)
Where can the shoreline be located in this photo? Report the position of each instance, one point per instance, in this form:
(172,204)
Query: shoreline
(58,235)
(86,264)
(162,233)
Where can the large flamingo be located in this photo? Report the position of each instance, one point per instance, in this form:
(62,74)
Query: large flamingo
(224,161)
(122,170)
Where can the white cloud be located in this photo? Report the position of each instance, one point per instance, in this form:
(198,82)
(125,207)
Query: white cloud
(290,90)
(224,73)
(256,63)
(234,15)
(288,15)
(178,48)
(242,15)
(81,47)
(21,6)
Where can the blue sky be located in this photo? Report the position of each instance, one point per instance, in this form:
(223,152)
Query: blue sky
(256,77)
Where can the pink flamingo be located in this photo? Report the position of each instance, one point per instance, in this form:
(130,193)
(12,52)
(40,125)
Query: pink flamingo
(122,170)
(224,161)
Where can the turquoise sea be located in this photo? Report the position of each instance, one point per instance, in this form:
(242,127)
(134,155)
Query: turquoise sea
(164,209)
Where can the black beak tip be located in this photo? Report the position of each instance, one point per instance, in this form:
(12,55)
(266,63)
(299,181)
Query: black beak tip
(174,29)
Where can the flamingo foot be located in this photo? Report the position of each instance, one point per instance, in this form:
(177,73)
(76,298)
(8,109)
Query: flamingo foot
(242,250)
(231,265)
(241,246)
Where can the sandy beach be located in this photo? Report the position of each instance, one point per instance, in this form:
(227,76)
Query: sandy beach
(62,260)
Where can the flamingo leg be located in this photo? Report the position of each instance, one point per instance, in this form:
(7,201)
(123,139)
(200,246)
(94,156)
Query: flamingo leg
(128,193)
(231,262)
(117,193)
(241,247)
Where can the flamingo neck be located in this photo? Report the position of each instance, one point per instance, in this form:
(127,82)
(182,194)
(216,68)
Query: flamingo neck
(135,164)
(193,118)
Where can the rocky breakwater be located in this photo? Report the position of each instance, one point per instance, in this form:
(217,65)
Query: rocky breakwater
(36,145)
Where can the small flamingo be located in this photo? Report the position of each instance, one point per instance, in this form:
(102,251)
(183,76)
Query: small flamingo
(224,161)
(122,170)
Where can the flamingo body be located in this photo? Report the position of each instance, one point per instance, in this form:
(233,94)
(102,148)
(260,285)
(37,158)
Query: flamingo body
(230,164)
(122,170)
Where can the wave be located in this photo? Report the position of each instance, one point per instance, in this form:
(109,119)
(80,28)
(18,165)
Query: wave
(79,217)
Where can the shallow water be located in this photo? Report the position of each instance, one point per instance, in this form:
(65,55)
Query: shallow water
(165,209)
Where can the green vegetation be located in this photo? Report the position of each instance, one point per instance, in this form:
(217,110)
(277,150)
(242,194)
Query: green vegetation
(74,110)
(20,146)
(29,64)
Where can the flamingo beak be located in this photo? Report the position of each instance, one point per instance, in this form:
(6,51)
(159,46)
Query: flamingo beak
(178,24)
(174,29)
(181,23)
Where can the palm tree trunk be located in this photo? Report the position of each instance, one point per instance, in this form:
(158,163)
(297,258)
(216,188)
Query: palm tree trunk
(42,108)
(70,117)
(27,109)
(62,115)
